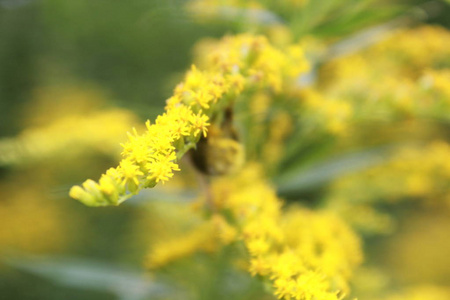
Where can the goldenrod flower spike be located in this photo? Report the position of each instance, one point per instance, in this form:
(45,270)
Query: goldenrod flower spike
(300,254)
(235,63)
(148,159)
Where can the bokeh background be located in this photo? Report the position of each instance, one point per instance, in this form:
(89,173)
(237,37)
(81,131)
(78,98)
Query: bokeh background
(75,76)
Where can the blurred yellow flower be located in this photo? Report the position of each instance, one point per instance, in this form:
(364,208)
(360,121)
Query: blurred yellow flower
(230,65)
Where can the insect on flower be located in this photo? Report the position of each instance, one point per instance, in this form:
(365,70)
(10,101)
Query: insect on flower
(219,153)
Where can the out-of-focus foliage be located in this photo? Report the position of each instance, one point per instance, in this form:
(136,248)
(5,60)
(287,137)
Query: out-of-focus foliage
(310,141)
(64,122)
(31,223)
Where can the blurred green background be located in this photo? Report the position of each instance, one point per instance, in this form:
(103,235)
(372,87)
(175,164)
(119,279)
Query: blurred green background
(131,53)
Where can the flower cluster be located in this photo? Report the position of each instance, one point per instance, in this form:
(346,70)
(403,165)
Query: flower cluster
(253,58)
(301,254)
(411,173)
(207,237)
(235,63)
(416,86)
(147,159)
(298,253)
(420,172)
(51,140)
(323,111)
(287,169)
(54,131)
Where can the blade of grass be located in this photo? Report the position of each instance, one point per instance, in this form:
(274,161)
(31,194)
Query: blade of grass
(85,274)
(299,180)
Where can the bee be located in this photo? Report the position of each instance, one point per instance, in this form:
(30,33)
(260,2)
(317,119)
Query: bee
(220,152)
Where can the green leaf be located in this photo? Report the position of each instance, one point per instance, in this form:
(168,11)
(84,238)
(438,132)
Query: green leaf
(85,274)
(299,179)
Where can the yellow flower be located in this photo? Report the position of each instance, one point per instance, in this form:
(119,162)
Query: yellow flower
(411,173)
(161,167)
(131,173)
(259,266)
(284,288)
(304,254)
(200,124)
(257,246)
(233,64)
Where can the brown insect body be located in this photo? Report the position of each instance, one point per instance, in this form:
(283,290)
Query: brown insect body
(219,153)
